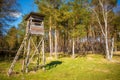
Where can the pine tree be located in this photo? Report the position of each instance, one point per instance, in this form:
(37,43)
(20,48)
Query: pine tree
(11,38)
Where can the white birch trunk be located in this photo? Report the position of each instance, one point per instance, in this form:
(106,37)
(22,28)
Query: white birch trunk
(112,47)
(56,44)
(104,29)
(105,16)
(106,36)
(73,48)
(107,49)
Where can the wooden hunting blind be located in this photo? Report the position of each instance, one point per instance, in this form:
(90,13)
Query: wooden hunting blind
(29,46)
(35,23)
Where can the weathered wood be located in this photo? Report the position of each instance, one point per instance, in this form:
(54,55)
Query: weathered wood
(27,56)
(38,55)
(43,53)
(35,26)
(24,55)
(17,56)
(36,30)
(36,49)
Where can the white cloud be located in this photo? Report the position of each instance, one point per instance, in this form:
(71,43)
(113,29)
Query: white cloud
(15,14)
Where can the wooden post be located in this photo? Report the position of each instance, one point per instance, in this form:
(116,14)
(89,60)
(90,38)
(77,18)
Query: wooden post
(43,50)
(43,53)
(38,60)
(27,56)
(24,55)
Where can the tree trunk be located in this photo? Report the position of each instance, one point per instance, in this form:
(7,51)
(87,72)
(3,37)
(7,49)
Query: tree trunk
(73,48)
(56,44)
(50,38)
(106,36)
(104,29)
(112,47)
(107,48)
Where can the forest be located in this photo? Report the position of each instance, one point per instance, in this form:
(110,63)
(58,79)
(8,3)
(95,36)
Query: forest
(77,33)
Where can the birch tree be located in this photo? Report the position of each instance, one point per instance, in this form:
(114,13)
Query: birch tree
(102,9)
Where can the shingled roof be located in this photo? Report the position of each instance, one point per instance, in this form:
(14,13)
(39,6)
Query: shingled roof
(34,14)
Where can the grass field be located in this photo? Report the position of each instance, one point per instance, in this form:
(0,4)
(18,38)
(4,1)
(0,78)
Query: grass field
(91,67)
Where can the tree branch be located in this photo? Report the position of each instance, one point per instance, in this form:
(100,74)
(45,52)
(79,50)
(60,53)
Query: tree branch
(97,16)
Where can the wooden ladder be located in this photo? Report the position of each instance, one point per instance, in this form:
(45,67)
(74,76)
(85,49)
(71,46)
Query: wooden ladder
(17,55)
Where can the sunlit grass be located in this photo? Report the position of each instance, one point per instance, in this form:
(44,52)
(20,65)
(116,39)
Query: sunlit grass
(90,67)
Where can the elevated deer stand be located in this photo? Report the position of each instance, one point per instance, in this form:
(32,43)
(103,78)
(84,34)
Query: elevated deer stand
(35,27)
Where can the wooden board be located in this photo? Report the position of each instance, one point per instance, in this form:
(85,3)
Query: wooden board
(37,30)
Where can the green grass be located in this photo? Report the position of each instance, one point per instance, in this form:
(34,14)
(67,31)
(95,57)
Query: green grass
(91,67)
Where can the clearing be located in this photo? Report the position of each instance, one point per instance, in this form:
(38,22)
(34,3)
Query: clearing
(90,67)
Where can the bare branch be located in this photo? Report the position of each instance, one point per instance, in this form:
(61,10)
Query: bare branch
(97,16)
(103,10)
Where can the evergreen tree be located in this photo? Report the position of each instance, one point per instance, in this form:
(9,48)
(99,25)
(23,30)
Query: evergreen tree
(79,17)
(11,38)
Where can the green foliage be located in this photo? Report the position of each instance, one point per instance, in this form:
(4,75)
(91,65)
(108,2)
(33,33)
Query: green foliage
(79,31)
(78,19)
(11,38)
(116,22)
(3,43)
(21,30)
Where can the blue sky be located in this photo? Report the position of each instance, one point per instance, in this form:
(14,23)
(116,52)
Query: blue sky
(27,6)
(118,5)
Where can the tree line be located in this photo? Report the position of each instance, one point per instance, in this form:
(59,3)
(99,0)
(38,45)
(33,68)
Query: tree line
(74,27)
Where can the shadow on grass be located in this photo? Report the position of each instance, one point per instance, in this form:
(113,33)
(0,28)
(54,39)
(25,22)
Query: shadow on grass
(52,64)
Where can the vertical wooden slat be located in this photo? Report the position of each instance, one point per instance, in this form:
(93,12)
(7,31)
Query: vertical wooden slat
(38,60)
(27,56)
(24,55)
(43,53)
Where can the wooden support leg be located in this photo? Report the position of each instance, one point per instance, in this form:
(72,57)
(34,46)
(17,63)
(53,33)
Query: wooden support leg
(38,49)
(24,55)
(43,53)
(17,55)
(38,61)
(27,56)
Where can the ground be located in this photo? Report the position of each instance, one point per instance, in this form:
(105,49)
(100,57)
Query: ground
(90,67)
